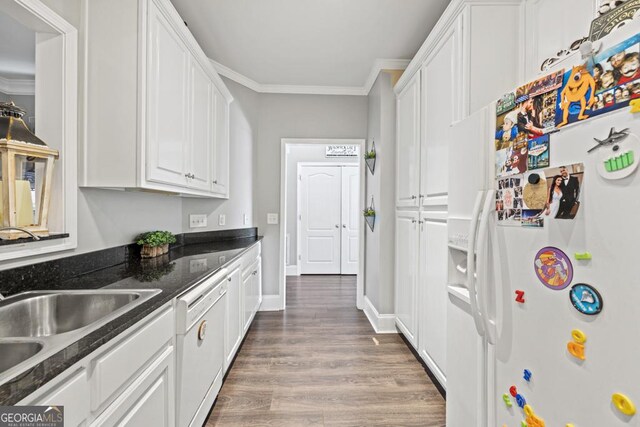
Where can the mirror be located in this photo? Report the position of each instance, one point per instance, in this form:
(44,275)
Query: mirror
(18,67)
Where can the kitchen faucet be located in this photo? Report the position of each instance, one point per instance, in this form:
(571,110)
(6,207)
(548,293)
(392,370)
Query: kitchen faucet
(21,229)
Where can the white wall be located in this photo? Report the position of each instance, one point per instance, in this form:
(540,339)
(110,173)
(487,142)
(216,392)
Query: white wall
(303,153)
(243,119)
(295,116)
(379,244)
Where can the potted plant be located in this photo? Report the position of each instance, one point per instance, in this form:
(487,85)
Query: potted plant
(370,158)
(155,243)
(370,215)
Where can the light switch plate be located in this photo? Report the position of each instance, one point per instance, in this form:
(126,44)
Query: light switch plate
(272,218)
(197,221)
(222,219)
(245,219)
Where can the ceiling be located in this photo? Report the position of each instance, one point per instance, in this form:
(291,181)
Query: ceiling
(309,42)
(18,51)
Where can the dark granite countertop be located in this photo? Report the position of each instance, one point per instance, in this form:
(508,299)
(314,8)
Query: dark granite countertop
(174,274)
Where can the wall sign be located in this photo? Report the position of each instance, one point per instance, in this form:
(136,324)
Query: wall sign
(614,19)
(342,151)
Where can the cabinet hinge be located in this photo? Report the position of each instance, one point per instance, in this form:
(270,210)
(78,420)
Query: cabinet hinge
(300,177)
(299,257)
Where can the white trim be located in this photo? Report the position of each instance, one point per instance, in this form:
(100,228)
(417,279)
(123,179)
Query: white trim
(381,323)
(17,86)
(271,303)
(36,15)
(378,65)
(435,370)
(292,270)
(284,142)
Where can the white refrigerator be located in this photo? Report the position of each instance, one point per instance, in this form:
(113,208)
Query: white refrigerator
(520,350)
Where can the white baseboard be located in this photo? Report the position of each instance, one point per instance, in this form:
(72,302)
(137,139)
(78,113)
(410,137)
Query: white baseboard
(292,270)
(435,370)
(382,323)
(271,303)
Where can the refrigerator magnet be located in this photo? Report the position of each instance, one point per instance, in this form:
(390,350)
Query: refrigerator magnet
(586,299)
(553,268)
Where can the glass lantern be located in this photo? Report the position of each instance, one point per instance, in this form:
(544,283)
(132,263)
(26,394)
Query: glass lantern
(26,176)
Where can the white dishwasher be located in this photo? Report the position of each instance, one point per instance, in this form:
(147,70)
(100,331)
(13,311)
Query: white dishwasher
(200,342)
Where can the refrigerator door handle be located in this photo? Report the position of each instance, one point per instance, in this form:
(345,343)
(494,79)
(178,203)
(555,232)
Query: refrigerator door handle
(471,265)
(483,260)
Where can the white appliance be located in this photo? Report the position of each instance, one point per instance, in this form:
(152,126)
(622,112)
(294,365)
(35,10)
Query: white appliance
(492,338)
(200,343)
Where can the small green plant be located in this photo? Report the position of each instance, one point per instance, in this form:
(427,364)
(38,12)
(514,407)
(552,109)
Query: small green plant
(371,154)
(155,238)
(369,212)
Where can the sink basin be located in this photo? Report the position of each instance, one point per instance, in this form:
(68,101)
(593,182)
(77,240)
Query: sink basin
(42,314)
(15,352)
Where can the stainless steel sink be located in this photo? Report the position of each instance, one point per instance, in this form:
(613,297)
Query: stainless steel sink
(41,314)
(16,352)
(35,325)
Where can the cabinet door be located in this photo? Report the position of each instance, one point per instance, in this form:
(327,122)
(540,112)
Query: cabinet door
(247,306)
(73,394)
(201,144)
(432,291)
(220,181)
(233,318)
(408,144)
(149,401)
(439,87)
(406,274)
(167,107)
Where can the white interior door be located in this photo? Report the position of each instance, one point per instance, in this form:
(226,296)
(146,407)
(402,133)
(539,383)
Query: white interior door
(350,219)
(320,219)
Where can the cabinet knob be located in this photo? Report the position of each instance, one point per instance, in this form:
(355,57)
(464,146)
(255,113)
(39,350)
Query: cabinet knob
(337,226)
(229,279)
(413,197)
(215,181)
(413,221)
(344,226)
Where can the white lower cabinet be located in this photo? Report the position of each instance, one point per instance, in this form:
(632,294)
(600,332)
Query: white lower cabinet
(233,323)
(131,380)
(127,382)
(149,401)
(432,292)
(406,274)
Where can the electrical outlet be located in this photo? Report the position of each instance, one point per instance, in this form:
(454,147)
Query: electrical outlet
(272,218)
(197,221)
(222,219)
(245,219)
(197,265)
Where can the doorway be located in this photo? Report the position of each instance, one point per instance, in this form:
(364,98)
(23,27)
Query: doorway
(326,226)
(328,218)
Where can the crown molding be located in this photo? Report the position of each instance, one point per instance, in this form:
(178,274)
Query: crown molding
(378,66)
(17,86)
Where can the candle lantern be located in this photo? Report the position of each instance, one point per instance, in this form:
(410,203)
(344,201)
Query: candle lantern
(26,176)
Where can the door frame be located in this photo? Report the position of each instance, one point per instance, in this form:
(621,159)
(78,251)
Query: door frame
(298,207)
(282,278)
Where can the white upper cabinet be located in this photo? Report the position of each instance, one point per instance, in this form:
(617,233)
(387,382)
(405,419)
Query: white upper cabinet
(202,125)
(408,144)
(156,111)
(220,181)
(168,94)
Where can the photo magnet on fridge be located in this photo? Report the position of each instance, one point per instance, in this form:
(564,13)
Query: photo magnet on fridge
(509,201)
(506,103)
(607,82)
(536,105)
(564,184)
(538,154)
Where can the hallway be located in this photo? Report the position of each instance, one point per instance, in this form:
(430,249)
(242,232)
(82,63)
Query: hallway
(320,363)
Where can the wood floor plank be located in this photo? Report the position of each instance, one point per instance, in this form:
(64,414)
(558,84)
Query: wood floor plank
(317,363)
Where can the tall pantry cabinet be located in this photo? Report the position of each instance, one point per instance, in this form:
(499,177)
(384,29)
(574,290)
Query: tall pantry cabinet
(450,77)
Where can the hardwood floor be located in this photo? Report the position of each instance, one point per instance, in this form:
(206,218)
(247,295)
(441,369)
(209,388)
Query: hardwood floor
(320,363)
